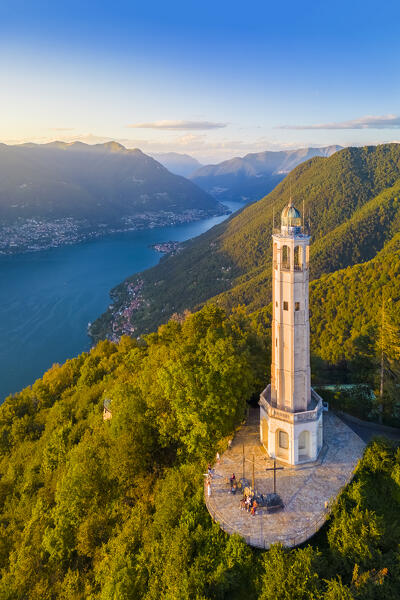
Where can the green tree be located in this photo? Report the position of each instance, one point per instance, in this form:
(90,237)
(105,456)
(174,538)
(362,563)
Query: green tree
(287,575)
(388,352)
(354,537)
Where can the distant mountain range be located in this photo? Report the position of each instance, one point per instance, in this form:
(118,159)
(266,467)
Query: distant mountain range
(180,164)
(251,177)
(60,193)
(99,183)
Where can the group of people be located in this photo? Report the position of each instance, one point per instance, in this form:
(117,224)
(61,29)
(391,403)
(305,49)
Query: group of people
(247,503)
(250,504)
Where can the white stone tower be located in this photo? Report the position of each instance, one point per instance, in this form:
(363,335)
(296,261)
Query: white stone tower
(290,410)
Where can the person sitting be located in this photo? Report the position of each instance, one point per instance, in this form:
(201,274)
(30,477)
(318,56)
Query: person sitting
(243,504)
(248,503)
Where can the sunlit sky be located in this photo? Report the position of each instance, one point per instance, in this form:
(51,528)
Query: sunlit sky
(211,79)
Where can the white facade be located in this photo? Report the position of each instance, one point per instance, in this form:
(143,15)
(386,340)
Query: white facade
(290,411)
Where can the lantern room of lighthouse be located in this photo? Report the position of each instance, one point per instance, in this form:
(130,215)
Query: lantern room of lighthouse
(291,412)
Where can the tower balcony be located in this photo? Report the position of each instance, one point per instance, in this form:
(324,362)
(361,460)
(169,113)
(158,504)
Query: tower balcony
(300,233)
(286,267)
(315,408)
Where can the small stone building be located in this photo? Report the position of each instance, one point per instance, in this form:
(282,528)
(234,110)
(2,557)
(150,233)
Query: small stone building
(107,414)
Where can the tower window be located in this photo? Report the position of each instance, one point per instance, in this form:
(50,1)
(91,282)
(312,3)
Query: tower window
(285,257)
(298,259)
(276,303)
(297,306)
(286,306)
(276,341)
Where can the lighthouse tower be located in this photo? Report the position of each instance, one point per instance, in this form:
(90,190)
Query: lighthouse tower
(290,410)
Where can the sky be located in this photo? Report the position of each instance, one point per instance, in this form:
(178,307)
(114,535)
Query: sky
(210,79)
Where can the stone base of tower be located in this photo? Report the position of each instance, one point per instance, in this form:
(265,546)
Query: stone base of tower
(291,437)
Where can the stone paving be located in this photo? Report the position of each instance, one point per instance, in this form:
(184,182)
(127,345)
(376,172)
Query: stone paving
(304,489)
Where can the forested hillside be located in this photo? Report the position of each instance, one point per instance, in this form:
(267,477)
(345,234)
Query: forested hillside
(346,305)
(93,509)
(351,207)
(355,324)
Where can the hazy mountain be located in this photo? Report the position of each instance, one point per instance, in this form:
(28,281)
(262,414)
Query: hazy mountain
(251,177)
(100,183)
(180,164)
(352,208)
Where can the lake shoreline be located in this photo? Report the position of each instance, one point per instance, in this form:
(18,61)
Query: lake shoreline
(47,298)
(36,234)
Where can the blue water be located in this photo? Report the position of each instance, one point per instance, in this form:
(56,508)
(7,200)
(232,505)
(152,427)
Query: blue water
(47,298)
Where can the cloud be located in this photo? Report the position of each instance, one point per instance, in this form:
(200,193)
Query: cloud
(367,122)
(178,125)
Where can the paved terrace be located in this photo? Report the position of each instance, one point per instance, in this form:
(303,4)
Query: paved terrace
(304,489)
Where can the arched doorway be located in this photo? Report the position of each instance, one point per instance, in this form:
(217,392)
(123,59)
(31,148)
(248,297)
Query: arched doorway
(304,445)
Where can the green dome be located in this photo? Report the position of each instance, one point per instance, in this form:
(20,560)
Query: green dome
(290,216)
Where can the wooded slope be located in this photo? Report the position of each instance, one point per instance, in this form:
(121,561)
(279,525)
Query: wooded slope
(350,204)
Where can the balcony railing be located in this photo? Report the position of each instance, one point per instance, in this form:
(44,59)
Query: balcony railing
(286,266)
(292,417)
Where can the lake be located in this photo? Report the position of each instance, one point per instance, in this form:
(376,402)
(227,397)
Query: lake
(47,298)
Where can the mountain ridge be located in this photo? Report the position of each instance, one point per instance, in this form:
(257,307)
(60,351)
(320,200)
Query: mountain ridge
(180,164)
(254,175)
(123,181)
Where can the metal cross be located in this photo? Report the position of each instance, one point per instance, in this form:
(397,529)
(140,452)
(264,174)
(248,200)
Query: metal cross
(275,469)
